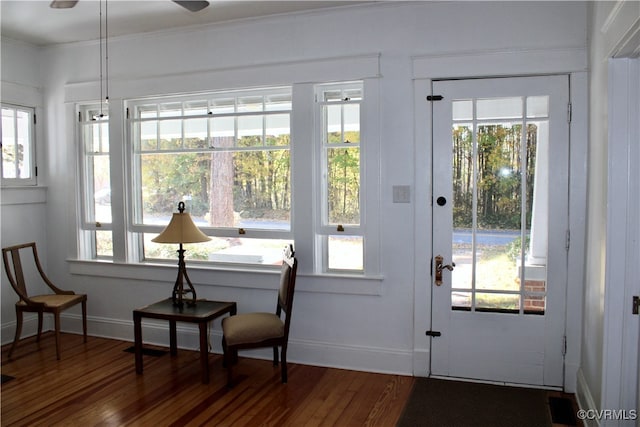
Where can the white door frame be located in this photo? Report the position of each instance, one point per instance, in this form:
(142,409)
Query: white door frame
(622,271)
(493,64)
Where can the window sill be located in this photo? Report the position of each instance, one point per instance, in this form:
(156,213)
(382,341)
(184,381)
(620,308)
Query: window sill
(235,277)
(23,195)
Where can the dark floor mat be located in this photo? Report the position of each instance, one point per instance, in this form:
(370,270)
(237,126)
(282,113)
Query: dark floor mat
(561,410)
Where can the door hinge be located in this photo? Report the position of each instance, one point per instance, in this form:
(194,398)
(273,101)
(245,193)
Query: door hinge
(34,120)
(80,116)
(564,345)
(434,98)
(636,305)
(569,112)
(567,243)
(433,333)
(127,112)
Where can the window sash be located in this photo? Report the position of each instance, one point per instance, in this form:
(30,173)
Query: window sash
(266,108)
(20,168)
(96,223)
(336,235)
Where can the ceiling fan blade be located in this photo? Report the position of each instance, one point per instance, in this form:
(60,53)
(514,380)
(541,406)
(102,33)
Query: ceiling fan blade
(63,4)
(192,5)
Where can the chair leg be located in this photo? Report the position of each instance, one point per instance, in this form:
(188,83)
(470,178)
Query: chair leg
(57,326)
(275,355)
(18,331)
(40,315)
(84,319)
(284,365)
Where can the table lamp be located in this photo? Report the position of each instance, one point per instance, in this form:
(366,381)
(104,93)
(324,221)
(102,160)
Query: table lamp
(181,229)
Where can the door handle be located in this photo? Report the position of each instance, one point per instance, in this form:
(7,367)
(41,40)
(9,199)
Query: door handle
(441,266)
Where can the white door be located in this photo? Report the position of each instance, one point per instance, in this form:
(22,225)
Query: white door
(500,178)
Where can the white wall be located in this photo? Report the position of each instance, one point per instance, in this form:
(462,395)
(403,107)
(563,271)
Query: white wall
(22,211)
(609,26)
(371,332)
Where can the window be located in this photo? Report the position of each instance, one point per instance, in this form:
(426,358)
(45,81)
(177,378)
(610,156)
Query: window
(96,225)
(227,157)
(340,231)
(18,146)
(256,168)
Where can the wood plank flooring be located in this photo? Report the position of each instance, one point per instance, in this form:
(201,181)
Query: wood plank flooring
(95,384)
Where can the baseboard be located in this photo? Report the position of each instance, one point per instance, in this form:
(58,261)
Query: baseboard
(155,332)
(584,399)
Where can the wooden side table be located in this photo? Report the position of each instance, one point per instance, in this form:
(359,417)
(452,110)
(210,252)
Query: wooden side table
(202,313)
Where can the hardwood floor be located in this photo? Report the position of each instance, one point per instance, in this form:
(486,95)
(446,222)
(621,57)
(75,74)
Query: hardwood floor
(95,384)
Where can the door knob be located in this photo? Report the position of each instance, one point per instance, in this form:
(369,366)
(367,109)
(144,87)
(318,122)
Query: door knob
(441,266)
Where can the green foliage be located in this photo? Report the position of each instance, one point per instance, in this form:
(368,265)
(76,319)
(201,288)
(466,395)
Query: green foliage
(499,173)
(514,248)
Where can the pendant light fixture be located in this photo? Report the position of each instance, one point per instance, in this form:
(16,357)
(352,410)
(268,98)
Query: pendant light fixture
(104,59)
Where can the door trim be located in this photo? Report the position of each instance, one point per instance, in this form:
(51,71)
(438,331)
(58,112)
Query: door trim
(621,328)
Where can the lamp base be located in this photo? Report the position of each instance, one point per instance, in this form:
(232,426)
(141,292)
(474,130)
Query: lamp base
(179,290)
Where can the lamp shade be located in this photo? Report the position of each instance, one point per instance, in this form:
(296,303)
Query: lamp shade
(181,229)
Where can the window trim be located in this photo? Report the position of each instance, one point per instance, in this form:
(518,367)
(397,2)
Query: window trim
(369,175)
(32,180)
(301,76)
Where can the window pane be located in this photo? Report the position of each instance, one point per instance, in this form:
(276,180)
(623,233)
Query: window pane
(353,94)
(352,123)
(9,145)
(170,134)
(277,131)
(250,103)
(278,102)
(195,133)
(332,95)
(248,189)
(343,185)
(17,150)
(223,106)
(261,189)
(333,123)
(23,139)
(195,108)
(345,252)
(147,111)
(170,178)
(171,109)
(148,136)
(499,108)
(104,243)
(101,189)
(97,137)
(250,131)
(497,302)
(223,127)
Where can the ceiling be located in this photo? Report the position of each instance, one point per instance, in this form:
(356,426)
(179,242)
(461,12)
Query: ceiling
(35,22)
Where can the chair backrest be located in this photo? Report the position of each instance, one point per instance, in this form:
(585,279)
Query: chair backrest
(287,284)
(15,272)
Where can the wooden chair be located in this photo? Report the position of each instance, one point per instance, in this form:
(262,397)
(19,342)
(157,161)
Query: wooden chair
(49,303)
(254,330)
